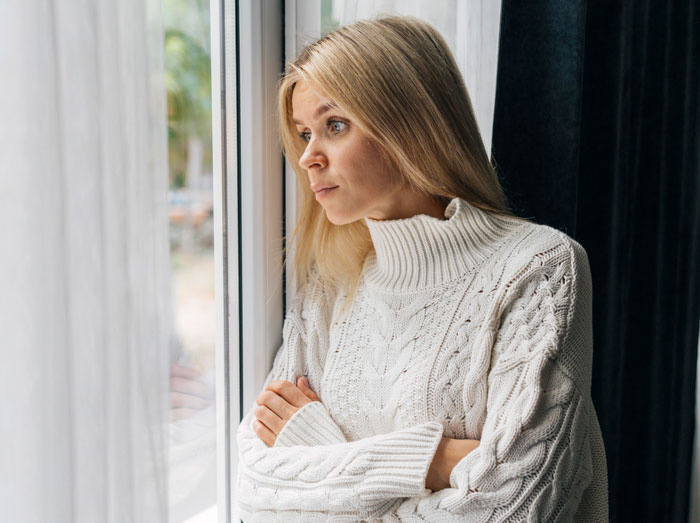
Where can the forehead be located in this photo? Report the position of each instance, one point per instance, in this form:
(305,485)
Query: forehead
(309,103)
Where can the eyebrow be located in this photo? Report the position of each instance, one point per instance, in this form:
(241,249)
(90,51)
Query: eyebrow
(322,109)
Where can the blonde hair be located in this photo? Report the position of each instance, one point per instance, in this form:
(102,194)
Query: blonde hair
(397,79)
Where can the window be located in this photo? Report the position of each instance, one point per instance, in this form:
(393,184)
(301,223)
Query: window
(192,432)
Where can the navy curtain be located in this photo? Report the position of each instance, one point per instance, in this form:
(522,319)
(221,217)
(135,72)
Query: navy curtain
(596,133)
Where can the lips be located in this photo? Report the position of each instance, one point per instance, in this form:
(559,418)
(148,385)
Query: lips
(321,193)
(319,187)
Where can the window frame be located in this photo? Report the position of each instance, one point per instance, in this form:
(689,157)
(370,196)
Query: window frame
(247,53)
(225,206)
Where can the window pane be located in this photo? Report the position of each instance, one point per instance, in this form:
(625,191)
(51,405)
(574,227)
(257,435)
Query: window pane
(440,13)
(192,452)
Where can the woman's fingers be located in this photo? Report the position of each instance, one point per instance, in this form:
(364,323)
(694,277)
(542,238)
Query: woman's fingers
(303,385)
(269,418)
(283,398)
(264,433)
(276,404)
(290,392)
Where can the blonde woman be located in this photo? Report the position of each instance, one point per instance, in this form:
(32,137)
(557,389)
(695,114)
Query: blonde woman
(436,362)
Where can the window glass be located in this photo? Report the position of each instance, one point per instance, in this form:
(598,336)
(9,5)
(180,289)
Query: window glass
(439,13)
(192,431)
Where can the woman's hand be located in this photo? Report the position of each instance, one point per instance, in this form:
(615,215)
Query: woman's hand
(448,454)
(277,404)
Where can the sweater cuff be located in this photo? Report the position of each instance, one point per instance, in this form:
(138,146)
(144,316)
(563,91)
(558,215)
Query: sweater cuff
(311,425)
(399,463)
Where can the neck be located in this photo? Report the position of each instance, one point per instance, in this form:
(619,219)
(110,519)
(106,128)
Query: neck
(407,205)
(424,251)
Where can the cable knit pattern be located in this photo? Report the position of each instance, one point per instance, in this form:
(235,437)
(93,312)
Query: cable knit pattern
(473,327)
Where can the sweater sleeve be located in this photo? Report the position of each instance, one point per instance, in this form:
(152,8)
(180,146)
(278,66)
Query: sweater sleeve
(534,459)
(317,475)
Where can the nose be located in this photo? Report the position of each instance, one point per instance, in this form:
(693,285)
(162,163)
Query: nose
(313,156)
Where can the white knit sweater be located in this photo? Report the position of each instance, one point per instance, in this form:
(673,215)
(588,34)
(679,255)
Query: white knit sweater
(473,327)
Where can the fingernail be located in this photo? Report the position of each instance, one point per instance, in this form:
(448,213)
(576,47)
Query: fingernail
(305,381)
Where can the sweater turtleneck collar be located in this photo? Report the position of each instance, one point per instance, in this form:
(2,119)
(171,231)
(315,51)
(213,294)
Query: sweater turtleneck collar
(423,251)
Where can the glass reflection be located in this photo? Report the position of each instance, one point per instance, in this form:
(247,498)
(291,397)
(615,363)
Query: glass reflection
(192,429)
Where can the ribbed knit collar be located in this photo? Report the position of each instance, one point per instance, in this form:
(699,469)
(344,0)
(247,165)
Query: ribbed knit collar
(423,251)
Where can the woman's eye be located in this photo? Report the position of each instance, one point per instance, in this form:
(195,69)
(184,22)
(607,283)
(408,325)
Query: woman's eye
(334,125)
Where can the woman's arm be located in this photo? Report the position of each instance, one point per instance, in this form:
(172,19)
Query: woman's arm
(285,405)
(336,481)
(359,479)
(534,461)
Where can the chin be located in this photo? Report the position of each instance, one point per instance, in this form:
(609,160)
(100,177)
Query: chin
(337,219)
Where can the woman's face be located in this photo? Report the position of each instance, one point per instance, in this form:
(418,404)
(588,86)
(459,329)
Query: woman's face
(339,155)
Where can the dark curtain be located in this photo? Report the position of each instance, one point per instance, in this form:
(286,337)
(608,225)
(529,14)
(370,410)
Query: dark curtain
(596,133)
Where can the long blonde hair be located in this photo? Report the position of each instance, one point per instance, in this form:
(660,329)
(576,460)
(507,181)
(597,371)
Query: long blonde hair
(397,79)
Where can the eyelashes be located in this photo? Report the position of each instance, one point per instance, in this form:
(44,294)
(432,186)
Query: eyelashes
(332,124)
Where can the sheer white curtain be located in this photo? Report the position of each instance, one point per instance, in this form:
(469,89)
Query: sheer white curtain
(471,29)
(84,264)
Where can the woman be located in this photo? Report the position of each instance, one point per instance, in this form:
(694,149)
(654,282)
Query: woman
(436,362)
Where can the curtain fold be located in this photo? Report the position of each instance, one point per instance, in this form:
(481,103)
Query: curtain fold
(596,133)
(84,269)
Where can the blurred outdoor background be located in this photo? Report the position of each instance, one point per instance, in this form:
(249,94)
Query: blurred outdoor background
(192,442)
(188,83)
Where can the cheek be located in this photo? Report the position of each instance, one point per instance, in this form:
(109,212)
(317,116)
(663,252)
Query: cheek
(367,169)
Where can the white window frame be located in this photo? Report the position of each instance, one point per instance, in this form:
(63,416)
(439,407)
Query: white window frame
(247,54)
(225,203)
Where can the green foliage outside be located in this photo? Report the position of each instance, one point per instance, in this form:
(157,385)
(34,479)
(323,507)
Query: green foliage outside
(188,83)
